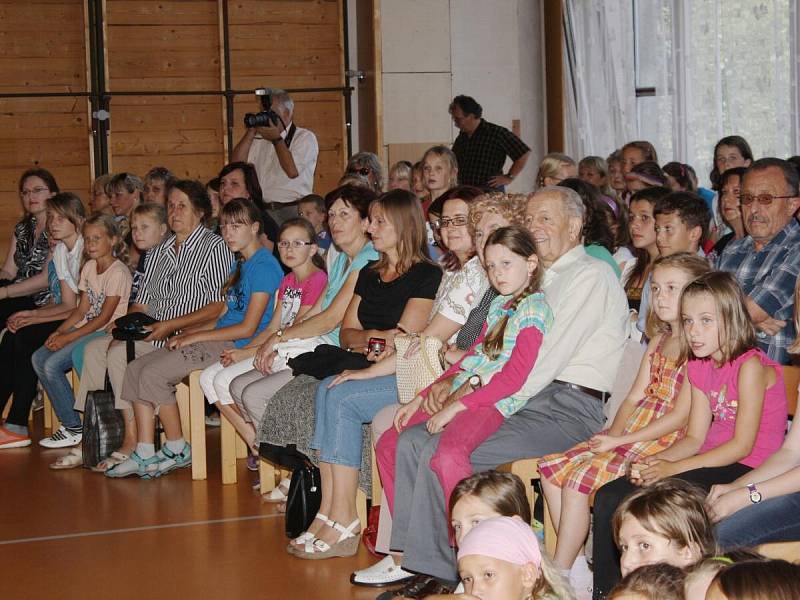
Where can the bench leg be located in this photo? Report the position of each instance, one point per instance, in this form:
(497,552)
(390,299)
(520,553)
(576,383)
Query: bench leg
(228,437)
(361,507)
(197,418)
(266,473)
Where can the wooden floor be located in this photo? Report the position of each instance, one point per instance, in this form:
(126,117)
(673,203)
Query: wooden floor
(76,534)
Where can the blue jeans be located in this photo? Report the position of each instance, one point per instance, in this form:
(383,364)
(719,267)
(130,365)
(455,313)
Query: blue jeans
(51,367)
(340,412)
(773,520)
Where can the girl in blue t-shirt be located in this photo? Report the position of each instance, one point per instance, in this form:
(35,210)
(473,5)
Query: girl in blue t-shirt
(151,379)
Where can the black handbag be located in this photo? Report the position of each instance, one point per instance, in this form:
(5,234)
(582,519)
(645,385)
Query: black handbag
(327,360)
(103,427)
(131,327)
(305,496)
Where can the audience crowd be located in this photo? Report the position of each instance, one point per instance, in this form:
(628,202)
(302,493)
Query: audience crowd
(469,328)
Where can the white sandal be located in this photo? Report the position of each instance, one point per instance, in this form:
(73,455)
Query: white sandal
(70,460)
(304,537)
(346,545)
(277,494)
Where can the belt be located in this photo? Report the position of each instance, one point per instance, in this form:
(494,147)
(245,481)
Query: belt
(602,396)
(279,205)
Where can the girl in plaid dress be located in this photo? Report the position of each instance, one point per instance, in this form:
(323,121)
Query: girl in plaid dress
(649,420)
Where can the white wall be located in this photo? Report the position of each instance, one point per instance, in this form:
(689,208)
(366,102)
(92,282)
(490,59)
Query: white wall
(436,49)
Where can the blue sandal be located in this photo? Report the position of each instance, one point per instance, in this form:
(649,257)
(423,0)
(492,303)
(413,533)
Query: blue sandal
(135,465)
(169,461)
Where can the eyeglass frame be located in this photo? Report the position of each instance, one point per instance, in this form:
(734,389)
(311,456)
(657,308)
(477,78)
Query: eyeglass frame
(757,198)
(447,222)
(363,171)
(29,193)
(296,244)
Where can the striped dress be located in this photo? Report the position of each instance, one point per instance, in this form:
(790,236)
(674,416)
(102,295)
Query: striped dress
(580,469)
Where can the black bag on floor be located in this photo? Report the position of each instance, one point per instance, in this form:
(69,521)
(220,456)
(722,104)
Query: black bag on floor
(305,495)
(103,427)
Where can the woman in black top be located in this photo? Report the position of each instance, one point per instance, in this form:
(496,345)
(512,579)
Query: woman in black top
(730,186)
(23,278)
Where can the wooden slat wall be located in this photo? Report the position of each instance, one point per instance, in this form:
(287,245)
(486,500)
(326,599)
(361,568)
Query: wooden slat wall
(293,44)
(152,46)
(42,49)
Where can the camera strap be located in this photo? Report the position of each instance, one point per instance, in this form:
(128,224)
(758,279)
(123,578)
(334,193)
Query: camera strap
(290,135)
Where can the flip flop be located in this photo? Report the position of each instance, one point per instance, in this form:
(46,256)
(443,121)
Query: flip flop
(114,459)
(70,460)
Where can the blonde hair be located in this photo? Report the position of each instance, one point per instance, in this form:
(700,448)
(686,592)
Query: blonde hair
(107,223)
(687,262)
(401,169)
(447,155)
(674,509)
(736,332)
(518,240)
(660,581)
(509,206)
(403,210)
(795,347)
(550,165)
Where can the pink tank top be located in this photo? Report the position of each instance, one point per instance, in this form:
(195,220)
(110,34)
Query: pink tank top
(721,386)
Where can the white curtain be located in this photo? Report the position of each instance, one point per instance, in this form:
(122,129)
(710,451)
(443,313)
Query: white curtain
(600,97)
(718,67)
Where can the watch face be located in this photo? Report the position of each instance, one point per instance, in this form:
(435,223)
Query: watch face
(755,497)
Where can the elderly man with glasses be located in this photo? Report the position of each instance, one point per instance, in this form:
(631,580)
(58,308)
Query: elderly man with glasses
(765,261)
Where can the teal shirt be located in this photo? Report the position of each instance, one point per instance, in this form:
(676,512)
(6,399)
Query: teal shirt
(598,251)
(340,271)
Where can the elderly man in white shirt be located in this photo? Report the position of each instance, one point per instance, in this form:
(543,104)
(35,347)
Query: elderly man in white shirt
(568,385)
(285,157)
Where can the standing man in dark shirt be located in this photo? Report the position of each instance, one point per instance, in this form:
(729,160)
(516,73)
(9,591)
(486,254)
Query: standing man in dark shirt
(481,147)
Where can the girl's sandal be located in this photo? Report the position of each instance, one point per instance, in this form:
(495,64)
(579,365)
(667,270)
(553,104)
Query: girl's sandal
(300,540)
(279,494)
(109,462)
(70,460)
(346,545)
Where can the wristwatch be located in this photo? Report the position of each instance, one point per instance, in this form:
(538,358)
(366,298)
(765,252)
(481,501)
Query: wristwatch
(755,495)
(475,382)
(279,334)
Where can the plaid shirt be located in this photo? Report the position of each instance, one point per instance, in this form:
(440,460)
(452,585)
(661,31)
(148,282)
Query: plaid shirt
(482,155)
(768,277)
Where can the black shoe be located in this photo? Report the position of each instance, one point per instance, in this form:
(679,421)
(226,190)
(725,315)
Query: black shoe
(420,586)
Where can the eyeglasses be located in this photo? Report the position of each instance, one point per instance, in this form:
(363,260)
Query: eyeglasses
(763,199)
(363,171)
(37,191)
(459,221)
(296,244)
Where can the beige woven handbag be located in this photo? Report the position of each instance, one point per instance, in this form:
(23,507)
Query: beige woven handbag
(418,372)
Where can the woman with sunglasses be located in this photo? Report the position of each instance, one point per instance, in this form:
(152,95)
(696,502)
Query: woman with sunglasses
(367,164)
(23,278)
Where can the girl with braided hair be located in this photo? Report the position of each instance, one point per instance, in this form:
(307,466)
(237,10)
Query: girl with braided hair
(485,383)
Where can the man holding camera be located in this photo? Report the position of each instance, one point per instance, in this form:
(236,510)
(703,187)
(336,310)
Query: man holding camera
(284,155)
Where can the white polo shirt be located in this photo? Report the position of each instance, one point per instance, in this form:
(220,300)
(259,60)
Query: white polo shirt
(275,184)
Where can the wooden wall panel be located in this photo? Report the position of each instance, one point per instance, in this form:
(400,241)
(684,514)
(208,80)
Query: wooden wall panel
(322,113)
(182,133)
(162,46)
(42,50)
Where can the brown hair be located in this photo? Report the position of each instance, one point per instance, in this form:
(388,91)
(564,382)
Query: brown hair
(69,206)
(672,508)
(301,223)
(660,581)
(519,241)
(109,225)
(736,332)
(689,263)
(403,210)
(467,194)
(759,580)
(244,211)
(645,147)
(712,566)
(503,492)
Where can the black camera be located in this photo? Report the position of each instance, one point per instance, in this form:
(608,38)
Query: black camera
(267,116)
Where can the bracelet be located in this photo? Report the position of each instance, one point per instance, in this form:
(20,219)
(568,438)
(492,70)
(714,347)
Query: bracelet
(276,142)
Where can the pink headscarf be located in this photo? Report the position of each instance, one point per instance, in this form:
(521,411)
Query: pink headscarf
(504,538)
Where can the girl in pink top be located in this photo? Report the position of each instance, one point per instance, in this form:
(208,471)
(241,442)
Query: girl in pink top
(738,415)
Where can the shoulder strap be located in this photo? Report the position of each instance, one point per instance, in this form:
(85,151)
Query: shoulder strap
(290,136)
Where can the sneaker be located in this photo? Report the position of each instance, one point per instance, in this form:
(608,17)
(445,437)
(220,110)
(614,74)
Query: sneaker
(385,572)
(256,485)
(9,439)
(63,438)
(252,462)
(213,420)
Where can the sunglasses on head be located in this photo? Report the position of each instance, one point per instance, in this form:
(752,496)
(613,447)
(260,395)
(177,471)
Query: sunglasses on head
(363,171)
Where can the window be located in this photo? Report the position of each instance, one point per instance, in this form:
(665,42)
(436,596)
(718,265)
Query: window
(707,69)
